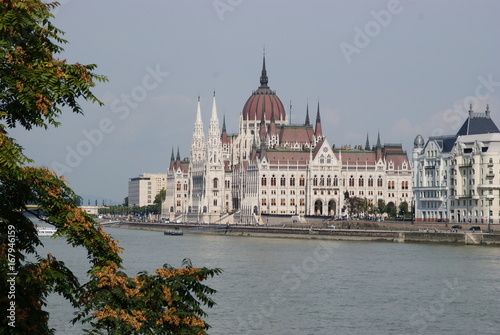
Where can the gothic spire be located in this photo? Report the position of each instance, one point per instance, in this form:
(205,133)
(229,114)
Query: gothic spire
(307,123)
(378,141)
(263,131)
(198,112)
(272,125)
(318,118)
(263,76)
(367,145)
(318,132)
(172,157)
(214,110)
(178,155)
(224,123)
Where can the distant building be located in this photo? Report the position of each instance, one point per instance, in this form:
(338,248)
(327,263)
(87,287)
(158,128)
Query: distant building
(456,177)
(142,190)
(272,167)
(92,210)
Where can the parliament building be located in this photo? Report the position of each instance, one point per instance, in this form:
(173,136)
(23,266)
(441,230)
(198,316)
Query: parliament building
(274,168)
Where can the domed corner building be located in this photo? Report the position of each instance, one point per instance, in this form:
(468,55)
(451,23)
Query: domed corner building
(272,169)
(455,176)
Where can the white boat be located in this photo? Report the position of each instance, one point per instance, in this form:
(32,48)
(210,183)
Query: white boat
(46,231)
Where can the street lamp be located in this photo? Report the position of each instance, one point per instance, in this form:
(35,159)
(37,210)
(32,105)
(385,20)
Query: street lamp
(489,213)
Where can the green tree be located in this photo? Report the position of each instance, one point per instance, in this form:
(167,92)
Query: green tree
(159,199)
(34,87)
(403,208)
(391,209)
(355,205)
(382,208)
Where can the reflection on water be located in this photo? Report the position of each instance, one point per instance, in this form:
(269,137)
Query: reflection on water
(288,286)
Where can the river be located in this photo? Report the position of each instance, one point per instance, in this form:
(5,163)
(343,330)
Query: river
(294,286)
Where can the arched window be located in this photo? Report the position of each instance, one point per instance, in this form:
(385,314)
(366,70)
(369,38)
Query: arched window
(370,181)
(329,181)
(263,180)
(292,181)
(351,181)
(379,181)
(315,180)
(302,181)
(273,180)
(335,181)
(179,186)
(361,181)
(216,182)
(283,180)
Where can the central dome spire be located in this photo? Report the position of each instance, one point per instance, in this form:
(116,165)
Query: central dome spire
(263,76)
(262,102)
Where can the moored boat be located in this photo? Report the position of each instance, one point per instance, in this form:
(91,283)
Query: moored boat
(46,231)
(173,232)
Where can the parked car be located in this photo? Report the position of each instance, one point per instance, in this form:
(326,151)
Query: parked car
(457,226)
(475,228)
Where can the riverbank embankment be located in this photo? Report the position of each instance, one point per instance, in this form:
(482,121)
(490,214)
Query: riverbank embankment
(396,235)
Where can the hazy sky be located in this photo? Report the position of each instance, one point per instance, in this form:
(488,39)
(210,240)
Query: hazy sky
(399,67)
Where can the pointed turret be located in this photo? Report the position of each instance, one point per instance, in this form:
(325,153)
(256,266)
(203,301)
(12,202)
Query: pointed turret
(262,130)
(214,146)
(172,161)
(307,123)
(318,132)
(198,111)
(272,128)
(367,144)
(178,158)
(198,142)
(378,149)
(224,138)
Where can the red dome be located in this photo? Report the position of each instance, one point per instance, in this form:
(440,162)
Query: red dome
(264,101)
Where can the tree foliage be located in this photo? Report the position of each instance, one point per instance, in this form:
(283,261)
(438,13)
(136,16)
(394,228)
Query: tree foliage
(391,209)
(403,208)
(35,86)
(381,206)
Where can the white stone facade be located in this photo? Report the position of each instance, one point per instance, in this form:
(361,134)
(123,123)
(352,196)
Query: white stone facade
(456,177)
